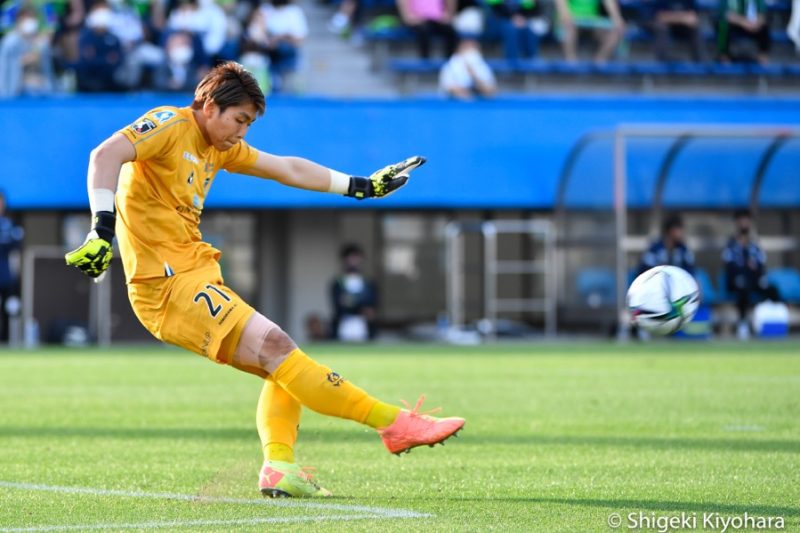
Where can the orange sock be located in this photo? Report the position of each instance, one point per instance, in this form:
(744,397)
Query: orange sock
(277,417)
(323,390)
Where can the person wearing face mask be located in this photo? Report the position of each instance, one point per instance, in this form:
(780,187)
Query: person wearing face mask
(354,299)
(181,71)
(25,58)
(745,269)
(100,52)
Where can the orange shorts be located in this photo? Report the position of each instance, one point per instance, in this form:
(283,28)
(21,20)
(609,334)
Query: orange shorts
(193,310)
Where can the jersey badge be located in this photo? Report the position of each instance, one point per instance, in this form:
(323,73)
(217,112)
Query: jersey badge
(143,126)
(163,116)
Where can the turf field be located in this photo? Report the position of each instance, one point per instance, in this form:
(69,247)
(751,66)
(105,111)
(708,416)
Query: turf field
(558,438)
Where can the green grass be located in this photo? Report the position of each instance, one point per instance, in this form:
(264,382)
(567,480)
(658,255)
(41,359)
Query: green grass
(557,436)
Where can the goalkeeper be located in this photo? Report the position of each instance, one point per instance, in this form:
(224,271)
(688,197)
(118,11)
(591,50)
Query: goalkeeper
(147,184)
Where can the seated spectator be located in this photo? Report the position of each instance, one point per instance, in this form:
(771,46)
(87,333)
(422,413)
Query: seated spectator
(575,15)
(354,299)
(466,74)
(203,18)
(670,249)
(743,23)
(793,29)
(518,24)
(26,64)
(745,269)
(139,53)
(677,18)
(427,18)
(182,69)
(100,52)
(277,31)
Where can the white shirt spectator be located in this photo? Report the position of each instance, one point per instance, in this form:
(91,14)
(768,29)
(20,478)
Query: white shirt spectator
(285,20)
(463,70)
(207,20)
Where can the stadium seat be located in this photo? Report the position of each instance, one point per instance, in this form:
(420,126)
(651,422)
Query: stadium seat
(787,281)
(596,286)
(708,295)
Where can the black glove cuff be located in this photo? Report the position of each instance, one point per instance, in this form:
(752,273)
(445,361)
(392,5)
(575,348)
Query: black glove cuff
(360,188)
(104,222)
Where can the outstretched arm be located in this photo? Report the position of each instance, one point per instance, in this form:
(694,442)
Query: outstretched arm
(105,162)
(304,174)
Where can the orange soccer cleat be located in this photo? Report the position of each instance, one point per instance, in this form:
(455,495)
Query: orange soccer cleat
(412,428)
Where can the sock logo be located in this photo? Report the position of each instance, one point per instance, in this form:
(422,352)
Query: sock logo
(335,379)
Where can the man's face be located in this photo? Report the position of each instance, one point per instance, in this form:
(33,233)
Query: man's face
(676,234)
(353,262)
(226,129)
(743,225)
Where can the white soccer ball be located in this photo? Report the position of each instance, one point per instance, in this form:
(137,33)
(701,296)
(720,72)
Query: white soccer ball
(663,299)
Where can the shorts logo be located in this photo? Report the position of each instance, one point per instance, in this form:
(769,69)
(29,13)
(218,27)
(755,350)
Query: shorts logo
(143,126)
(335,379)
(163,116)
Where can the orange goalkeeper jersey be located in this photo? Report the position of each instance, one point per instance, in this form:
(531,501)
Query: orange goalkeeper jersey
(161,193)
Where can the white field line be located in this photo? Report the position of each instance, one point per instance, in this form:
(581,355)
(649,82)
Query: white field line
(357,512)
(189,523)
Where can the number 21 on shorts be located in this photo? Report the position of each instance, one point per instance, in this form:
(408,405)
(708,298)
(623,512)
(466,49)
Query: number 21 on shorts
(206,296)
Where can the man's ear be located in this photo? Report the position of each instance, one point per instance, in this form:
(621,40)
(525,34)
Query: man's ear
(209,108)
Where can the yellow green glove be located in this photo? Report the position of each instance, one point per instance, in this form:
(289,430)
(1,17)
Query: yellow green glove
(385,181)
(94,256)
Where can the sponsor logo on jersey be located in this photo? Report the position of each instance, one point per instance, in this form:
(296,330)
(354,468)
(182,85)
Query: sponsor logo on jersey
(208,168)
(163,116)
(143,126)
(335,379)
(190,179)
(206,182)
(191,157)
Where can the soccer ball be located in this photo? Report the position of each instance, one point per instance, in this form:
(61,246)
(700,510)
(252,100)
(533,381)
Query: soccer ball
(663,299)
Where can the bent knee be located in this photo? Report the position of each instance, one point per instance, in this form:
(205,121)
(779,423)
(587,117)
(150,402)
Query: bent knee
(263,345)
(277,344)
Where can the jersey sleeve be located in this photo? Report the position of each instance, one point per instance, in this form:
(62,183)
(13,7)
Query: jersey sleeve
(240,157)
(155,133)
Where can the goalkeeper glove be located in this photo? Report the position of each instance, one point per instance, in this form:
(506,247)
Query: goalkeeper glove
(385,181)
(94,255)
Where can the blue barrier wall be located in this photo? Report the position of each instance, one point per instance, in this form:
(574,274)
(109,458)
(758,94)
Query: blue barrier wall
(501,154)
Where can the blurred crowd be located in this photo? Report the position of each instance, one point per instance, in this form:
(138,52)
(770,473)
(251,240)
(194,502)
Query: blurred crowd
(121,45)
(167,45)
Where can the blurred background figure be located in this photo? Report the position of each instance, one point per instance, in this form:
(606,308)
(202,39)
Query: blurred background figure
(277,31)
(677,19)
(100,52)
(587,15)
(793,28)
(10,240)
(139,52)
(670,249)
(745,269)
(742,24)
(466,74)
(771,317)
(354,299)
(205,20)
(428,18)
(183,68)
(26,63)
(518,24)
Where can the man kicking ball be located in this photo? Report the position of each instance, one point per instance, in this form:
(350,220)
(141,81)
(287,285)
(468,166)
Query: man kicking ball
(148,182)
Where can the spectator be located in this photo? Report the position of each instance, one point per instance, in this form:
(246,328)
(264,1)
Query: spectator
(139,54)
(678,18)
(793,29)
(100,52)
(26,64)
(427,18)
(740,22)
(771,317)
(354,299)
(203,18)
(182,69)
(10,240)
(346,17)
(575,15)
(670,249)
(277,31)
(466,74)
(518,24)
(745,269)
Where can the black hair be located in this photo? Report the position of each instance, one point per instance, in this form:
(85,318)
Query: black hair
(351,249)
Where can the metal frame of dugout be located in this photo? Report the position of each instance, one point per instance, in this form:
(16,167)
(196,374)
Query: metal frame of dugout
(682,136)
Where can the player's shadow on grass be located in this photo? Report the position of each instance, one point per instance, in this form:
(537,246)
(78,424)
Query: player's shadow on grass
(349,433)
(665,506)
